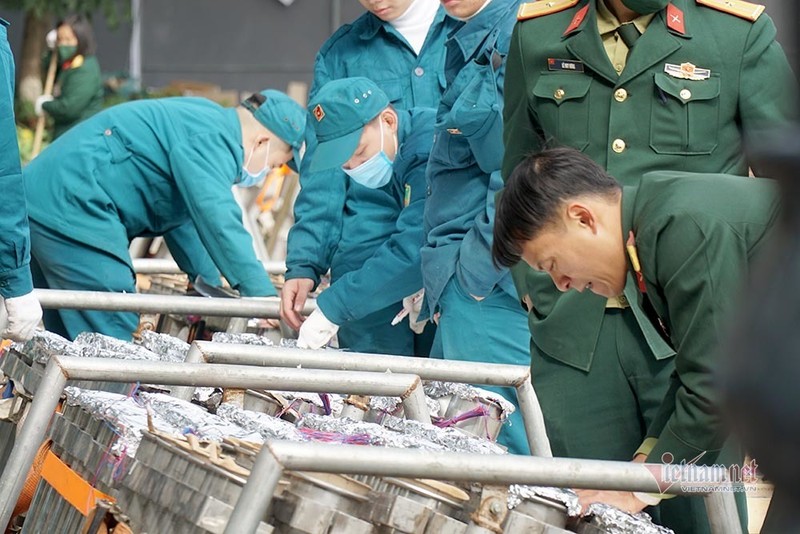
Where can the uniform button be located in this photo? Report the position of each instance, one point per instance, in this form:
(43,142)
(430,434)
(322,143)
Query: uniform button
(107,132)
(686,94)
(618,68)
(618,146)
(559,94)
(623,300)
(419,71)
(620,95)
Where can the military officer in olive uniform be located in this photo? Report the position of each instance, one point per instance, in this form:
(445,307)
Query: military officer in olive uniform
(637,85)
(687,239)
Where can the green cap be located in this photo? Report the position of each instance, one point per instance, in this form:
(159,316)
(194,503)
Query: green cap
(341,109)
(282,116)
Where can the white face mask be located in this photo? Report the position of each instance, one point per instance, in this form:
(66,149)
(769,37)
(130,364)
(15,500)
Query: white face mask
(249,179)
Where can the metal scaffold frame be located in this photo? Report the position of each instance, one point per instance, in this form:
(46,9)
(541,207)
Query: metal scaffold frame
(267,307)
(62,368)
(489,374)
(276,457)
(168,266)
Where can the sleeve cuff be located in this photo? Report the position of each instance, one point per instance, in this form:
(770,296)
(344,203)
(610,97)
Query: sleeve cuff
(327,302)
(293,272)
(16,282)
(257,287)
(646,447)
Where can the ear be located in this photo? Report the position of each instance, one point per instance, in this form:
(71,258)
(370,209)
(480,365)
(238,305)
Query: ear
(262,138)
(581,215)
(390,118)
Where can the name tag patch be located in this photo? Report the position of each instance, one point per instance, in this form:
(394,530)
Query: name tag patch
(569,65)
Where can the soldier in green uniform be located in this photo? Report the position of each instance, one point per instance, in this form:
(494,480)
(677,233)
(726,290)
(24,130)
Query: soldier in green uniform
(637,85)
(686,239)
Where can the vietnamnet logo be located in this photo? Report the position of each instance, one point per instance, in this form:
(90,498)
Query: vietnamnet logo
(693,478)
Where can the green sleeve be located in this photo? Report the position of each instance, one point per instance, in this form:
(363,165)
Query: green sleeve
(78,89)
(203,168)
(520,132)
(700,267)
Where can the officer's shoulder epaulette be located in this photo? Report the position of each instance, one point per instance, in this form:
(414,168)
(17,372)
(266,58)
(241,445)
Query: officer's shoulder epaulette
(540,8)
(740,8)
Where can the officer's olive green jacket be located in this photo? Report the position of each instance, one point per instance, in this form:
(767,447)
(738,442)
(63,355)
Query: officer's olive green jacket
(696,237)
(658,121)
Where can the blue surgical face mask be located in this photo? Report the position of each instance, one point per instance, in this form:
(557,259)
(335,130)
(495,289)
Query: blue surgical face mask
(376,171)
(249,179)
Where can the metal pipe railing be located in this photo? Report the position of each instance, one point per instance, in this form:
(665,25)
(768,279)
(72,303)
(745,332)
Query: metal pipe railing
(62,368)
(168,266)
(268,307)
(351,459)
(516,376)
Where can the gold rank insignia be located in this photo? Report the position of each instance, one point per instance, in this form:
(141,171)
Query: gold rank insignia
(740,8)
(531,10)
(319,113)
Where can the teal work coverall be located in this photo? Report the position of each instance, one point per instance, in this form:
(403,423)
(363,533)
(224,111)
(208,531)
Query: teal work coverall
(463,177)
(144,168)
(393,271)
(15,275)
(339,224)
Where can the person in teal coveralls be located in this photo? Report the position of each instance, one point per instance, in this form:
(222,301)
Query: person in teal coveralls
(480,318)
(148,168)
(339,224)
(22,309)
(386,151)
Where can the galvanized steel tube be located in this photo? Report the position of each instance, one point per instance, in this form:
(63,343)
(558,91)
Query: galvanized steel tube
(29,439)
(427,368)
(168,266)
(268,307)
(723,517)
(256,495)
(533,418)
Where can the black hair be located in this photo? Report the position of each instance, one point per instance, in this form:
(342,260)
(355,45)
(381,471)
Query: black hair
(539,184)
(82,29)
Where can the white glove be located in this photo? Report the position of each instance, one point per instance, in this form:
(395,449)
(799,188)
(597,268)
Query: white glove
(51,39)
(413,305)
(316,331)
(37,106)
(24,314)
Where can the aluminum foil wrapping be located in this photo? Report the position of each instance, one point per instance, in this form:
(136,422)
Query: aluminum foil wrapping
(94,345)
(392,405)
(169,348)
(368,433)
(287,343)
(267,426)
(518,493)
(241,339)
(436,390)
(127,417)
(45,344)
(451,439)
(172,349)
(614,521)
(192,418)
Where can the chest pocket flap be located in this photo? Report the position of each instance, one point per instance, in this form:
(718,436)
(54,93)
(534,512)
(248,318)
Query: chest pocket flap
(688,90)
(561,88)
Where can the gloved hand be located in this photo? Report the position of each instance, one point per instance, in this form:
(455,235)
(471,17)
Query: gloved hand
(412,305)
(24,314)
(51,39)
(316,331)
(37,106)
